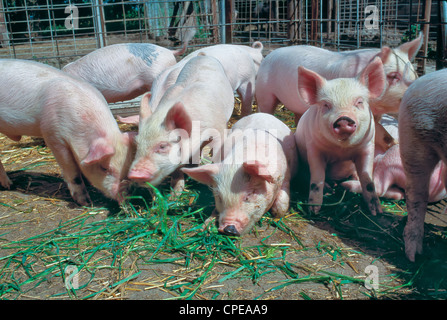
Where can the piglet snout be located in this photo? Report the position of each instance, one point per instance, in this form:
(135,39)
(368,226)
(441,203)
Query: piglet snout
(230,230)
(344,127)
(140,175)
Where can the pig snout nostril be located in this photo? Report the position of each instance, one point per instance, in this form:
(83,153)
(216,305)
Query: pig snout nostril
(231,231)
(344,127)
(344,122)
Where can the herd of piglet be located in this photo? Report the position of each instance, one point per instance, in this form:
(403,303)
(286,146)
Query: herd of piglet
(340,101)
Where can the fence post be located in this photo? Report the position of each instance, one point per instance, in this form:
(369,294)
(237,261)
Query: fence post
(442,34)
(292,16)
(222,21)
(99,23)
(329,19)
(229,9)
(4,37)
(215,21)
(314,22)
(424,49)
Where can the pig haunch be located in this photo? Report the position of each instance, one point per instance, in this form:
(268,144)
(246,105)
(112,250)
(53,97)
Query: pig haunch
(75,122)
(389,176)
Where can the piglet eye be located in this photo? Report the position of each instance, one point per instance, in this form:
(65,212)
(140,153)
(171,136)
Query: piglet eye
(359,102)
(393,78)
(162,147)
(327,106)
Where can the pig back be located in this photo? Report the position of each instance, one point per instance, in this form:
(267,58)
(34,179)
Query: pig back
(424,104)
(264,121)
(278,129)
(237,63)
(143,61)
(207,89)
(23,94)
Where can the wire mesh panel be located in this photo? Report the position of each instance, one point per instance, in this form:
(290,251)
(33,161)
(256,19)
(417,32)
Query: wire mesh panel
(261,20)
(46,30)
(58,31)
(342,23)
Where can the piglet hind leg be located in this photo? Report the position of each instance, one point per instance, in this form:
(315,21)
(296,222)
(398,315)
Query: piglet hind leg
(418,173)
(266,102)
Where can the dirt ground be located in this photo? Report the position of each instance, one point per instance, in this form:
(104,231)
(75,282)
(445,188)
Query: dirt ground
(341,242)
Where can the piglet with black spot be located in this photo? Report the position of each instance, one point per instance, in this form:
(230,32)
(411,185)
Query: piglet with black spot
(336,134)
(240,64)
(124,71)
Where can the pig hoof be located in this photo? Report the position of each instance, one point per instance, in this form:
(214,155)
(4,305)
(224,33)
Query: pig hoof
(6,183)
(413,242)
(231,231)
(83,199)
(411,249)
(174,195)
(314,209)
(375,207)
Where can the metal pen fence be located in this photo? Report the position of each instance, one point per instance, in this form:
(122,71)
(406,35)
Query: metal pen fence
(59,31)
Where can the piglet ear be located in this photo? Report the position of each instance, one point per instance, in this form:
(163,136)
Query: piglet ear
(384,53)
(178,118)
(129,138)
(373,76)
(145,109)
(204,174)
(309,83)
(411,48)
(99,151)
(257,168)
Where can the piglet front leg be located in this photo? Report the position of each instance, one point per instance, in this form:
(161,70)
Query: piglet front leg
(177,184)
(70,171)
(364,166)
(4,180)
(282,201)
(317,167)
